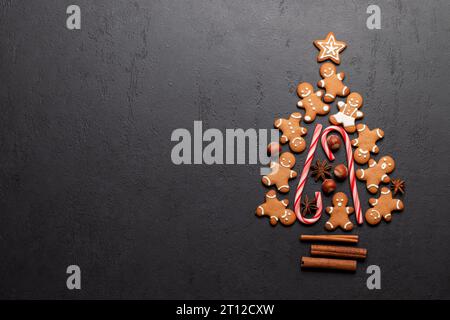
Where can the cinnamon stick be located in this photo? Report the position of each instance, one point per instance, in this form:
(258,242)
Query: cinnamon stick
(338,251)
(323,263)
(331,238)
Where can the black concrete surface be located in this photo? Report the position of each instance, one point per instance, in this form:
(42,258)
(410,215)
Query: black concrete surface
(86,117)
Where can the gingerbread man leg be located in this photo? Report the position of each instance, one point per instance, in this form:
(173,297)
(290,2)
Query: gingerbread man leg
(372,184)
(397,206)
(350,129)
(334,121)
(332,224)
(283,188)
(310,115)
(347,225)
(266,180)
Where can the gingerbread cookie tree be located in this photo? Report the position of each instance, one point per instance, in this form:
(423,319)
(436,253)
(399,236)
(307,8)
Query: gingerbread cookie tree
(318,103)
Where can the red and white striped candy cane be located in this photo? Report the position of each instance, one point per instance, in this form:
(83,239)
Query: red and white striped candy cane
(304,177)
(350,163)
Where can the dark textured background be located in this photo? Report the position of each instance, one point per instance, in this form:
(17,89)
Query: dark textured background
(86,118)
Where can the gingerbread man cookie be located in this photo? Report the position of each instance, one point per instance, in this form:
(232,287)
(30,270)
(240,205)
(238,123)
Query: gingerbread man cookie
(332,82)
(281,172)
(366,143)
(383,207)
(339,213)
(348,112)
(311,101)
(276,210)
(376,173)
(292,131)
(329,48)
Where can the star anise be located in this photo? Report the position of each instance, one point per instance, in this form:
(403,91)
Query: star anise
(308,206)
(398,186)
(321,170)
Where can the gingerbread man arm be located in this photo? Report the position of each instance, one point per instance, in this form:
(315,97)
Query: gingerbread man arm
(372,182)
(285,202)
(349,210)
(361,127)
(385,178)
(271,179)
(261,209)
(319,93)
(321,83)
(373,201)
(376,134)
(372,163)
(359,114)
(341,76)
(278,122)
(361,174)
(329,210)
(273,220)
(355,142)
(292,174)
(379,133)
(341,105)
(300,103)
(303,130)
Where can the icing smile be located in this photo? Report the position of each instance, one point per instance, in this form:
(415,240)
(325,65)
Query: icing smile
(306,93)
(288,165)
(328,74)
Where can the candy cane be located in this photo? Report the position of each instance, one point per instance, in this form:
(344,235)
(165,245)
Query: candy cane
(351,168)
(304,177)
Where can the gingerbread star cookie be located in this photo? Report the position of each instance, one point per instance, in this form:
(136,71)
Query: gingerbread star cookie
(383,207)
(276,210)
(292,131)
(366,143)
(330,48)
